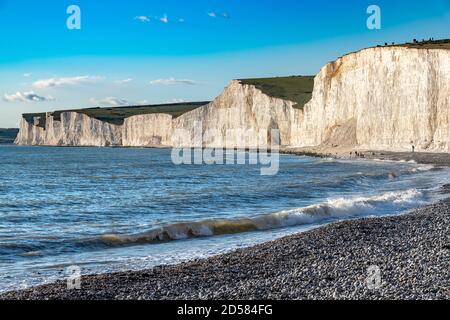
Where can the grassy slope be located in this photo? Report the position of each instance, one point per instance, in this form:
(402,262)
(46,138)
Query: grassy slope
(119,114)
(295,88)
(8,135)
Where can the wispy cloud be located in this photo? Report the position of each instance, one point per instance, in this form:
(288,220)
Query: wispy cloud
(164,19)
(143,19)
(27,75)
(175,100)
(123,81)
(111,102)
(215,14)
(29,96)
(143,103)
(172,82)
(70,81)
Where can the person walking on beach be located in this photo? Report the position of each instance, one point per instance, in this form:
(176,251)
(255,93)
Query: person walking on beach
(413,148)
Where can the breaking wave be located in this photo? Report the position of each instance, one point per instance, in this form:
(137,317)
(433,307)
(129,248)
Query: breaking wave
(331,210)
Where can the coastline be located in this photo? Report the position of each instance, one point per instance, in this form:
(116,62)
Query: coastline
(437,159)
(411,250)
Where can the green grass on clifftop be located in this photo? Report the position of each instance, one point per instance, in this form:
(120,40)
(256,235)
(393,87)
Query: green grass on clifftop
(295,88)
(117,115)
(422,44)
(431,44)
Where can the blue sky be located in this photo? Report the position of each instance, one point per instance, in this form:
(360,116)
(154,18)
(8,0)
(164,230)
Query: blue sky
(166,51)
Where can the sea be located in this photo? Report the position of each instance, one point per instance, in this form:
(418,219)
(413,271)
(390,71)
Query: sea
(104,210)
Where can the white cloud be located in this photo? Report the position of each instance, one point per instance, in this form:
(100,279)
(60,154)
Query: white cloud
(111,102)
(69,81)
(175,100)
(143,19)
(143,103)
(29,96)
(214,14)
(164,19)
(123,81)
(172,81)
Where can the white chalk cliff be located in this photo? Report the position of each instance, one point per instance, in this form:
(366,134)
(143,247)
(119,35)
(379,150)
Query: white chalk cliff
(384,98)
(381,99)
(72,129)
(149,130)
(241,110)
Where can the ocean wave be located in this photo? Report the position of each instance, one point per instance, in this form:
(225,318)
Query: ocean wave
(368,177)
(332,209)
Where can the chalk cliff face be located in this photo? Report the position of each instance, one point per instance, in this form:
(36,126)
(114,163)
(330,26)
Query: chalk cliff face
(386,98)
(239,110)
(150,130)
(242,116)
(73,129)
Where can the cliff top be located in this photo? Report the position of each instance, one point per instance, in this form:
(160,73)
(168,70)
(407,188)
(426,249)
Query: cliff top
(443,44)
(294,88)
(430,44)
(117,115)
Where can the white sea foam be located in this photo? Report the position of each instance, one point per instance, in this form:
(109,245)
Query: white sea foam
(332,209)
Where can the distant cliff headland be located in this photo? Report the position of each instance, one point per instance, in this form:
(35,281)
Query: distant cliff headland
(7,136)
(380,98)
